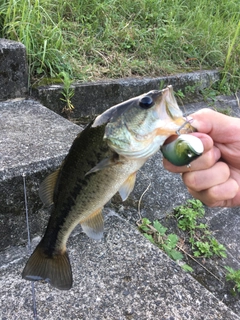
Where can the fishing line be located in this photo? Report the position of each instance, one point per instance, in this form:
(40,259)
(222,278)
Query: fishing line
(140,199)
(29,245)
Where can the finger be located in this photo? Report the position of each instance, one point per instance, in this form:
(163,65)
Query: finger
(214,124)
(208,178)
(222,195)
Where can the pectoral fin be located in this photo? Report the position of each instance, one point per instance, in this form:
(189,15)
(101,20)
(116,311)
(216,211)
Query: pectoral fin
(127,186)
(105,163)
(93,225)
(46,189)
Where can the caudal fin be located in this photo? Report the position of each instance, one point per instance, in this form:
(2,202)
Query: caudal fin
(56,269)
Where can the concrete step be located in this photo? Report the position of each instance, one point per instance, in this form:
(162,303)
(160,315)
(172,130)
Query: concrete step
(121,277)
(33,142)
(92,98)
(13,70)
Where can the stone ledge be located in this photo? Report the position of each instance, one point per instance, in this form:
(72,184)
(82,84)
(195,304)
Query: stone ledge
(33,141)
(94,98)
(13,70)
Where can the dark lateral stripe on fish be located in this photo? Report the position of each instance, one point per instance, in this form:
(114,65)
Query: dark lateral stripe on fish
(56,270)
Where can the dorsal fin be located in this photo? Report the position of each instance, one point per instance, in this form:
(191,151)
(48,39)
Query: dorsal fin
(46,189)
(93,225)
(127,187)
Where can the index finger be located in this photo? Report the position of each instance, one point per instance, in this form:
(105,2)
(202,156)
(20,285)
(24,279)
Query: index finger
(220,127)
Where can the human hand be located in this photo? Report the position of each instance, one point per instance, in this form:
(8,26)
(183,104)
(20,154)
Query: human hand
(214,178)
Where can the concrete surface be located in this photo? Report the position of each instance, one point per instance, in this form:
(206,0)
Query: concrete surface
(121,277)
(13,70)
(33,140)
(94,98)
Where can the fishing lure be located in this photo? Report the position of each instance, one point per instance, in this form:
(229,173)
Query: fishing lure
(183,150)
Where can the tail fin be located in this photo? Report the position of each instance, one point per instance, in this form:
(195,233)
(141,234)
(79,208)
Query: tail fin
(56,269)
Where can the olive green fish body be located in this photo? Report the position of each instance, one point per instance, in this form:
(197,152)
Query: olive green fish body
(102,160)
(75,198)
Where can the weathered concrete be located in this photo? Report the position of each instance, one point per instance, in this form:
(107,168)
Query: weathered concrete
(33,140)
(121,277)
(13,70)
(94,98)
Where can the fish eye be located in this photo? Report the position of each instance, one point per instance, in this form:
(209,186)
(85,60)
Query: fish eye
(146,102)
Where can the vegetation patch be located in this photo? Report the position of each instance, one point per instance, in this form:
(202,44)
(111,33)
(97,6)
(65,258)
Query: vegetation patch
(96,39)
(186,238)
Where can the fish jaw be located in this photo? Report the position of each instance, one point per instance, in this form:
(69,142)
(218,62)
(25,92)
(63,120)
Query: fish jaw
(138,132)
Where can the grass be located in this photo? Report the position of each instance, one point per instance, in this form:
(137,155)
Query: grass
(233,276)
(194,241)
(202,242)
(96,39)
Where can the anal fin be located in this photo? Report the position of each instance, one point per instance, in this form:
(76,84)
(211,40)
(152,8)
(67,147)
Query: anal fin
(127,187)
(93,225)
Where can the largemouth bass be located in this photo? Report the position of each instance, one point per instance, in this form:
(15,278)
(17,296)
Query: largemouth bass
(103,160)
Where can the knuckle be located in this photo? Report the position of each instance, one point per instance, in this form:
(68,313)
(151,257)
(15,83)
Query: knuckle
(190,180)
(222,169)
(210,158)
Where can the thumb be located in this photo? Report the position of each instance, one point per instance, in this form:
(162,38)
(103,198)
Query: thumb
(219,127)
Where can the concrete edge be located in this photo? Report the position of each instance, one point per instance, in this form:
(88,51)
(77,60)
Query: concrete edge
(93,98)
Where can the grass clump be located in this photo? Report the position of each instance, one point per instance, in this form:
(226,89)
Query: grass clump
(98,39)
(196,241)
(35,24)
(233,276)
(199,238)
(156,233)
(202,242)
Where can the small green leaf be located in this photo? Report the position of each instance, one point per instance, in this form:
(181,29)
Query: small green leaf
(187,268)
(145,221)
(144,228)
(172,240)
(149,237)
(175,255)
(159,227)
(196,253)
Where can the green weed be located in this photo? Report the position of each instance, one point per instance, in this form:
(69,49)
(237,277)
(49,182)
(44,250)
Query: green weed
(179,94)
(234,276)
(67,92)
(95,39)
(202,242)
(230,75)
(156,233)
